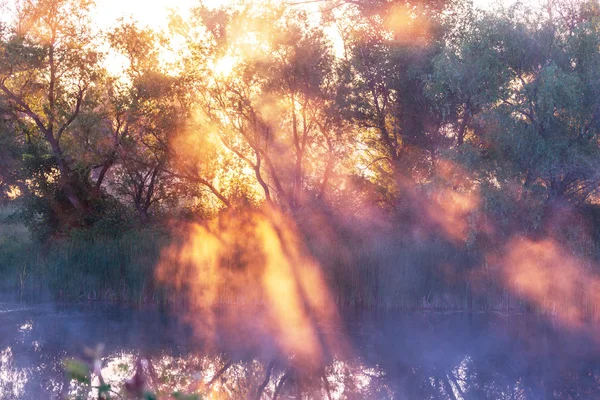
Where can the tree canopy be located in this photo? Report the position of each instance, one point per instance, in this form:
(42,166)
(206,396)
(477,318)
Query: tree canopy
(364,106)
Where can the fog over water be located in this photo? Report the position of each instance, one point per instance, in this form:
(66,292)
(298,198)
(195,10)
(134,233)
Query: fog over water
(394,356)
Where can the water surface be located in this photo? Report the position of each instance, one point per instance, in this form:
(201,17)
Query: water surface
(392,356)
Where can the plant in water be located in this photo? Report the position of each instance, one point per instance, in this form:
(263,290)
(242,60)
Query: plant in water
(136,387)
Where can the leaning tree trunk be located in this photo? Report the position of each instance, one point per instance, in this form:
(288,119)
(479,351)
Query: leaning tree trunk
(66,179)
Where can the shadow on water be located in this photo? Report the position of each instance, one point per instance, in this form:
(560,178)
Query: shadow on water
(395,356)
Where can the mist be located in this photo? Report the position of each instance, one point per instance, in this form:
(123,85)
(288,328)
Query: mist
(323,199)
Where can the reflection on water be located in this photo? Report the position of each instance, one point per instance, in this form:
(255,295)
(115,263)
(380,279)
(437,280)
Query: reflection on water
(395,356)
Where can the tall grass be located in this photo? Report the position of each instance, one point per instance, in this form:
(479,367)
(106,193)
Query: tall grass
(10,228)
(371,272)
(115,269)
(395,273)
(390,274)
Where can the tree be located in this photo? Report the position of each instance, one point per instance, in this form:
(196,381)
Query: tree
(48,67)
(273,110)
(526,86)
(11,149)
(142,112)
(390,48)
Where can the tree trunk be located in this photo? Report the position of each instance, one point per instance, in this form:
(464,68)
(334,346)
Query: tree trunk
(102,175)
(66,176)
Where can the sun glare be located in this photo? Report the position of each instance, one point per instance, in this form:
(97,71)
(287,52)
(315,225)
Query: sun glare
(224,66)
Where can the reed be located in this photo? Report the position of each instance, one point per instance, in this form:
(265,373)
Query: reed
(115,269)
(385,273)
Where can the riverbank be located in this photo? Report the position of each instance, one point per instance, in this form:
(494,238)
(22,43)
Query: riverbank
(122,270)
(384,272)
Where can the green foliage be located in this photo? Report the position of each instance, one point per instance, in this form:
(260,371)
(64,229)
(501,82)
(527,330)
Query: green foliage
(111,219)
(45,210)
(521,84)
(78,371)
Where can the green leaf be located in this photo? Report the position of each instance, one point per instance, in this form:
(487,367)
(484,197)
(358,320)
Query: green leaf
(104,389)
(149,396)
(78,371)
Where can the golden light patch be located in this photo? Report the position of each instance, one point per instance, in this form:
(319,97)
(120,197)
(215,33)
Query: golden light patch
(248,274)
(13,192)
(450,209)
(545,274)
(407,24)
(449,206)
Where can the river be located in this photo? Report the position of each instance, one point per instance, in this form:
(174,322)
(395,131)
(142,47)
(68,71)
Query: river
(392,355)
